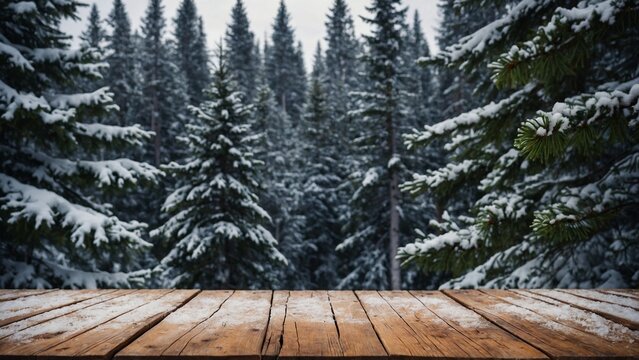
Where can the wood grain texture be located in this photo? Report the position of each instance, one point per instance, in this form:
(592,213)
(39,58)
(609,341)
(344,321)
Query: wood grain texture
(46,335)
(10,294)
(173,332)
(546,333)
(398,337)
(106,339)
(624,315)
(607,298)
(309,325)
(356,334)
(274,333)
(479,333)
(309,328)
(236,331)
(25,307)
(61,311)
(620,292)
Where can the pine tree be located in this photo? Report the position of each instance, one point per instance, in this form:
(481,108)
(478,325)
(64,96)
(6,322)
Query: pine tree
(94,35)
(418,81)
(551,162)
(216,223)
(374,232)
(240,41)
(121,75)
(321,202)
(341,58)
(52,233)
(279,148)
(163,102)
(284,66)
(192,55)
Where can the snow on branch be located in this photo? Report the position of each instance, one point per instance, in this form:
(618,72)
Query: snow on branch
(22,275)
(473,117)
(133,135)
(534,135)
(579,211)
(462,239)
(23,7)
(15,56)
(436,178)
(16,101)
(43,207)
(98,97)
(116,172)
(491,34)
(517,65)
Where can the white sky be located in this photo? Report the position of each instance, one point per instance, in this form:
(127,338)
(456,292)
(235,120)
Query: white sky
(307,18)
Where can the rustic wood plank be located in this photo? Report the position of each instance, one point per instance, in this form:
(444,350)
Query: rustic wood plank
(398,338)
(106,339)
(548,334)
(617,335)
(33,340)
(177,328)
(309,328)
(356,334)
(430,329)
(275,331)
(10,294)
(25,307)
(492,340)
(236,331)
(62,311)
(607,298)
(622,314)
(620,292)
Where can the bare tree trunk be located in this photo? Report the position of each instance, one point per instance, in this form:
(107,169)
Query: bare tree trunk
(393,243)
(157,129)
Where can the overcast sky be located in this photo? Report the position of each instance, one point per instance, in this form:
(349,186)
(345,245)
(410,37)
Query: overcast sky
(307,17)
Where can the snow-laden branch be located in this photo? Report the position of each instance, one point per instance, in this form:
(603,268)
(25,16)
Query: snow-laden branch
(491,34)
(582,110)
(473,117)
(43,207)
(564,26)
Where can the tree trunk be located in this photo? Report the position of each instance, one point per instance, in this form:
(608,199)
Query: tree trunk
(393,243)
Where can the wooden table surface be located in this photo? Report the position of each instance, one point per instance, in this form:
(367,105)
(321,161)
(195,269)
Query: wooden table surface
(192,324)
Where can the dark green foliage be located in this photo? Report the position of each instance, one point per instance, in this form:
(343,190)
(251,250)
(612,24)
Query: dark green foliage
(216,225)
(240,42)
(192,55)
(284,65)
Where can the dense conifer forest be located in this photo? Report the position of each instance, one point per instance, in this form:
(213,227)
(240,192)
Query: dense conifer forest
(145,157)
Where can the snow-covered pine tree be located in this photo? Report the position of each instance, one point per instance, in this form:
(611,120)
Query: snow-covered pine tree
(121,75)
(163,104)
(373,232)
(51,233)
(553,161)
(321,204)
(418,81)
(342,65)
(192,55)
(278,147)
(216,223)
(240,43)
(94,35)
(283,62)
